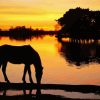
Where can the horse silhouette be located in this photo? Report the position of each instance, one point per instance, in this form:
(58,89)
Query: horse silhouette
(21,54)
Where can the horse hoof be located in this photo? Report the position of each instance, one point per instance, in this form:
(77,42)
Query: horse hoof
(32,82)
(24,81)
(8,81)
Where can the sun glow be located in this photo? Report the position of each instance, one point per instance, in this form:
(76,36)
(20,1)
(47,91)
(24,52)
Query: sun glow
(38,13)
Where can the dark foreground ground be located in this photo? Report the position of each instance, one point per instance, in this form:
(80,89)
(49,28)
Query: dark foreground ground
(27,86)
(42,97)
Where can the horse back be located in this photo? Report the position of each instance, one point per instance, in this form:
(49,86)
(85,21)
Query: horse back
(17,54)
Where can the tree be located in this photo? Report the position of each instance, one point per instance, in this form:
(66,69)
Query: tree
(79,23)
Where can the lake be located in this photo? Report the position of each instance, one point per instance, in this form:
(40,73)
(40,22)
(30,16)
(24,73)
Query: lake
(64,62)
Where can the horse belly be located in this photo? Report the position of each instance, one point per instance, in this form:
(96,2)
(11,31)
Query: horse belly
(20,60)
(20,56)
(15,61)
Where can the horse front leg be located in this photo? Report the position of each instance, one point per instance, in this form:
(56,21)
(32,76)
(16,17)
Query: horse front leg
(4,71)
(38,74)
(29,72)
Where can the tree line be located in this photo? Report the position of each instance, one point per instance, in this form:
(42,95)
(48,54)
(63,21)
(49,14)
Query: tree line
(21,32)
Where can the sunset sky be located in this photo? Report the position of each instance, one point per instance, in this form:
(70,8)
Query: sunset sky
(38,13)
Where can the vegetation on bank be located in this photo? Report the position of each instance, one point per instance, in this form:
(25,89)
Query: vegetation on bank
(80,23)
(21,32)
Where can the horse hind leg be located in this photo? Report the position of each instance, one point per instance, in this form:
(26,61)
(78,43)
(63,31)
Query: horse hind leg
(4,71)
(24,74)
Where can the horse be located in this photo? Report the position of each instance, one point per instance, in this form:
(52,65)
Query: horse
(24,54)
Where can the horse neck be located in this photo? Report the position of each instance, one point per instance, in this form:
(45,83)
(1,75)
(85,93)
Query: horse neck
(37,61)
(38,65)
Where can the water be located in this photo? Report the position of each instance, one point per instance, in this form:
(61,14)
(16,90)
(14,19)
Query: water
(63,62)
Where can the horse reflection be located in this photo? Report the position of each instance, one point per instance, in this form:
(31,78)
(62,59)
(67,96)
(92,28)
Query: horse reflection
(21,54)
(37,94)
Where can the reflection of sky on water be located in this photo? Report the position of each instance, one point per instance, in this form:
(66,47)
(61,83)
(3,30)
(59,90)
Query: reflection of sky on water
(57,68)
(72,94)
(62,93)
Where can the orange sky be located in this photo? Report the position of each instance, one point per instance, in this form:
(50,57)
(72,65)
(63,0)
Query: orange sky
(38,13)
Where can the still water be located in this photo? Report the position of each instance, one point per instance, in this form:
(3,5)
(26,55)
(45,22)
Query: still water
(64,62)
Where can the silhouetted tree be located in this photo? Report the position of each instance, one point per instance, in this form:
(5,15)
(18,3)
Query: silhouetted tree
(80,22)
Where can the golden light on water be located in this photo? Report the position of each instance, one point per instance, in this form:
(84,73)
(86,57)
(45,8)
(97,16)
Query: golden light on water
(48,49)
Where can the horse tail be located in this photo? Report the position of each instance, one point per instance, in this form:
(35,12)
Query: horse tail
(0,65)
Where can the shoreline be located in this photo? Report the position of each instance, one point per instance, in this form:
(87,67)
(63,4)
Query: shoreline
(4,87)
(65,87)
